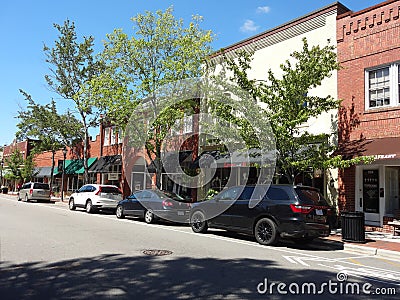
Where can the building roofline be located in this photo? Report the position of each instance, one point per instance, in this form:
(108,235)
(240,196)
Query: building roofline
(365,10)
(336,5)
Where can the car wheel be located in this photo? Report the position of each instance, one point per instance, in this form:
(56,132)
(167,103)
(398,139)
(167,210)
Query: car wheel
(26,198)
(148,217)
(266,232)
(89,207)
(120,212)
(71,204)
(198,222)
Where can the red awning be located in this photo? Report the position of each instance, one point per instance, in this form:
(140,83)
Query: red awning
(383,148)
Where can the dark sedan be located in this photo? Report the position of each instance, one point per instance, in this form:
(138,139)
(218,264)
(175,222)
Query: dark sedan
(151,205)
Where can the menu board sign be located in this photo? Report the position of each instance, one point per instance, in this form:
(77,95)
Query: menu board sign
(371,191)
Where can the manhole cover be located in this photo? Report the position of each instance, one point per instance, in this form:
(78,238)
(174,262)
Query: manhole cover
(155,252)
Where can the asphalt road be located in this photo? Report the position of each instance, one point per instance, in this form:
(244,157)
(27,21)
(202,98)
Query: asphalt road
(49,252)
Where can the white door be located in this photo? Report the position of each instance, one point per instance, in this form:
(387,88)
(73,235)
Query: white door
(392,190)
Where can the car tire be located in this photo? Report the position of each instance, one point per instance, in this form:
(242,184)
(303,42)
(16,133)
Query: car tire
(119,212)
(149,217)
(198,222)
(266,232)
(26,198)
(89,207)
(71,204)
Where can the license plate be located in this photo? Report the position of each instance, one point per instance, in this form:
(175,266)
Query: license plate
(181,213)
(319,212)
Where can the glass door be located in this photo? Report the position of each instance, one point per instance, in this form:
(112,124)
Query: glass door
(370,196)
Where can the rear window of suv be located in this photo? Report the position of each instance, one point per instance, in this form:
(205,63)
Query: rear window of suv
(110,190)
(310,196)
(41,186)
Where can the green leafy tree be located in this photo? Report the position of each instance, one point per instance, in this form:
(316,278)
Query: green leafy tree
(28,171)
(289,105)
(14,164)
(161,51)
(73,66)
(53,130)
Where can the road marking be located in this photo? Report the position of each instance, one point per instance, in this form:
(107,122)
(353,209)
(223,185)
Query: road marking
(355,261)
(370,273)
(391,262)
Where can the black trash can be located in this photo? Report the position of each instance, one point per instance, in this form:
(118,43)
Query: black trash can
(353,226)
(4,190)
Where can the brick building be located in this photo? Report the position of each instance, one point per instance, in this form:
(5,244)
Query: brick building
(369,122)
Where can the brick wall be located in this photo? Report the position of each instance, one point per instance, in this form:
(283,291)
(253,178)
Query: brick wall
(366,39)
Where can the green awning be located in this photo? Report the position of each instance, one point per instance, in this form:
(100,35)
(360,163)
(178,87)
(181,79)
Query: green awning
(90,162)
(75,166)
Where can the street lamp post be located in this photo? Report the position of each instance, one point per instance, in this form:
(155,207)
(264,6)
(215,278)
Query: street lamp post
(1,172)
(64,151)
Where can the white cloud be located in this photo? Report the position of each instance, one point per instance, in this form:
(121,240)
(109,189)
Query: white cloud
(263,9)
(249,26)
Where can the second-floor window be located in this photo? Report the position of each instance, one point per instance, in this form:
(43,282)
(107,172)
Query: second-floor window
(107,136)
(187,124)
(382,86)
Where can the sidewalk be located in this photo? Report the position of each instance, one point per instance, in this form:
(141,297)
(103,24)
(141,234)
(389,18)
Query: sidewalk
(376,243)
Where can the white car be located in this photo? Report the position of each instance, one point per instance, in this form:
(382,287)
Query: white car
(93,197)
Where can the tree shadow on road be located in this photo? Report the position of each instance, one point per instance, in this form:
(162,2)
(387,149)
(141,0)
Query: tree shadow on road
(153,277)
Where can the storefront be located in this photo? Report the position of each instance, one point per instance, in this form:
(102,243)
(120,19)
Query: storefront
(109,168)
(377,184)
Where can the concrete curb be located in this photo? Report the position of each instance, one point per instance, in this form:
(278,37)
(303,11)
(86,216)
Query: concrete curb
(393,255)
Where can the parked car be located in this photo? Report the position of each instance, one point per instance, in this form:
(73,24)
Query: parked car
(151,205)
(93,197)
(280,211)
(34,191)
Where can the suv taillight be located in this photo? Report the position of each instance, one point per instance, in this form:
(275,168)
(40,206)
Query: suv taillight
(99,191)
(303,209)
(167,203)
(30,191)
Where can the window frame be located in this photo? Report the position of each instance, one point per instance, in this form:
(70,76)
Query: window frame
(394,83)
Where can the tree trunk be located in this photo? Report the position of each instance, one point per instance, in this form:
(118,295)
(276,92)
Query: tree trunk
(53,152)
(85,150)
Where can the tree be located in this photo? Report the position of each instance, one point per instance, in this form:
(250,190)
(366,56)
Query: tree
(72,67)
(53,130)
(27,170)
(290,105)
(161,51)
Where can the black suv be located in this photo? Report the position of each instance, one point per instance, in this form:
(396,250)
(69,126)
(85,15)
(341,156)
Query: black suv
(267,212)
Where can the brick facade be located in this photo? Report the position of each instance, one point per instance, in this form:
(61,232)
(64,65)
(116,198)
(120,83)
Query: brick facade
(365,39)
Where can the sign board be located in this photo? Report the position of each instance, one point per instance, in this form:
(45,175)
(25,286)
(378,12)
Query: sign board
(113,176)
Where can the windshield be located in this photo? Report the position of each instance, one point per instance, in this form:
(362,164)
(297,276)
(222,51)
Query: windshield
(171,195)
(110,190)
(310,196)
(41,186)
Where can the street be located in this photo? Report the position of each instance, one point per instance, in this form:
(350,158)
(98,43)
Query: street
(49,252)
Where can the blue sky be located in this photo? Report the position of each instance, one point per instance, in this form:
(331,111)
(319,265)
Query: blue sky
(25,25)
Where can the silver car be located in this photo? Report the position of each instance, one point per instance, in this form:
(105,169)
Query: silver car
(34,191)
(93,197)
